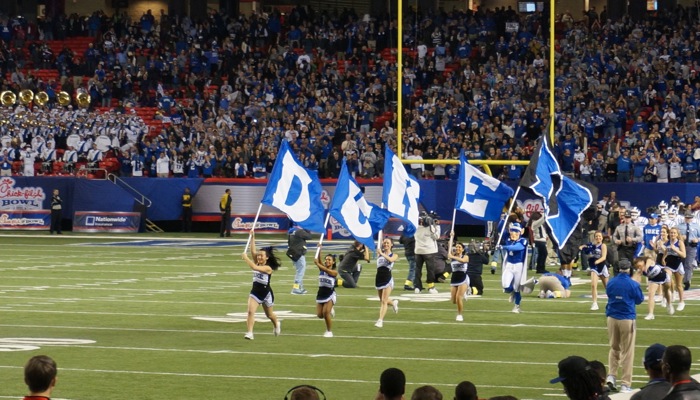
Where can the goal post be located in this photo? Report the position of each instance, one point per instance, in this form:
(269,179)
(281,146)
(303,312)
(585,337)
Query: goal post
(484,163)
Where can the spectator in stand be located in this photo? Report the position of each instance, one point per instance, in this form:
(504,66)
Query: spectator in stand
(675,365)
(40,376)
(658,386)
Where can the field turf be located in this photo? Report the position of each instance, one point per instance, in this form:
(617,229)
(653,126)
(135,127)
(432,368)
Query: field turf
(162,316)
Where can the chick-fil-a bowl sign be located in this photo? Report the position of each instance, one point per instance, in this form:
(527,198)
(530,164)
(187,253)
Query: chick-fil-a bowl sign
(20,198)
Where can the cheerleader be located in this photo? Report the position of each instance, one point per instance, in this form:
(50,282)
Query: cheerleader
(656,276)
(266,262)
(660,245)
(460,281)
(384,282)
(674,252)
(325,298)
(597,253)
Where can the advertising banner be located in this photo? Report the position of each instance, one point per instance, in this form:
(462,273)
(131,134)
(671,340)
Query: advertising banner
(101,221)
(266,223)
(25,220)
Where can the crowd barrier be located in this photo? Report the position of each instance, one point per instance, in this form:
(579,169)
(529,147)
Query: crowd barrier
(93,195)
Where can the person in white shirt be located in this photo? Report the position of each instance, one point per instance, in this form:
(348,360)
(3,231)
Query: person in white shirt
(70,157)
(94,156)
(163,165)
(28,156)
(416,169)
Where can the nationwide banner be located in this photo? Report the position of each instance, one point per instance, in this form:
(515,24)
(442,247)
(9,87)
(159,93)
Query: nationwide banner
(102,221)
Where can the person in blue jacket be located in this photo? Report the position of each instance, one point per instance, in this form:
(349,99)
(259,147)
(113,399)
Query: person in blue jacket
(515,252)
(624,294)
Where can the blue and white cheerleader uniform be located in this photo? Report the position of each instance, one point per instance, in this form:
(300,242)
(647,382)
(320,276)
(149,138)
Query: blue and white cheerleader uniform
(384,279)
(326,288)
(657,274)
(459,273)
(594,252)
(674,262)
(261,291)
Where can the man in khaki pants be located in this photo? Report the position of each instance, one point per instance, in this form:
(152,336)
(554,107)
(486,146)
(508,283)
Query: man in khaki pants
(624,294)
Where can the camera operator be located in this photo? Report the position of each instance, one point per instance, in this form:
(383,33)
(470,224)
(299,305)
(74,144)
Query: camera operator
(409,245)
(427,234)
(349,267)
(478,257)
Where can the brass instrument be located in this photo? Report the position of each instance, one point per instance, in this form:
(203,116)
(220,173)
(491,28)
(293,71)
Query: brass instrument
(64,98)
(8,98)
(82,98)
(26,96)
(41,98)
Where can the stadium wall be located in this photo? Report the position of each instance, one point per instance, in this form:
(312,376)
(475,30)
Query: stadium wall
(20,193)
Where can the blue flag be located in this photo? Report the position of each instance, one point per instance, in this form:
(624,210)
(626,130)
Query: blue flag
(349,207)
(572,200)
(295,191)
(563,199)
(401,192)
(480,195)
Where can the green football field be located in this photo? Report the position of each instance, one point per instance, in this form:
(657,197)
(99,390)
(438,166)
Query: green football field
(162,316)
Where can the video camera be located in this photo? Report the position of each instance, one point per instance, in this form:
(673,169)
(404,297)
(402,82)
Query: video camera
(428,218)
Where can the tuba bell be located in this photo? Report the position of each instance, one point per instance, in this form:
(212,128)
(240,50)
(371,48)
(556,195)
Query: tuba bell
(41,98)
(26,96)
(63,98)
(8,98)
(82,98)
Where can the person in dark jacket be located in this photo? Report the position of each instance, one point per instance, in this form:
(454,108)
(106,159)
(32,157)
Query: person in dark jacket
(478,257)
(409,246)
(225,209)
(676,368)
(296,250)
(658,386)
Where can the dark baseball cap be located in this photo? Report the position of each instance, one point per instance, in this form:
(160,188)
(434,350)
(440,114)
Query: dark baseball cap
(569,367)
(624,264)
(654,354)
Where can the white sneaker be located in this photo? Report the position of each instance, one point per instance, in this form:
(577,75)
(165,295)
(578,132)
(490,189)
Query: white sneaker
(395,306)
(516,309)
(432,291)
(460,318)
(277,330)
(549,294)
(649,317)
(663,302)
(681,306)
(379,323)
(249,336)
(625,389)
(594,307)
(671,310)
(416,291)
(332,312)
(611,383)
(328,334)
(542,294)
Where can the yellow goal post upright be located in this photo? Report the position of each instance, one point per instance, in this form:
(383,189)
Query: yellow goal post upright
(399,112)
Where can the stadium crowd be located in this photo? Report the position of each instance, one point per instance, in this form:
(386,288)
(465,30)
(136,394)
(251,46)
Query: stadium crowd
(227,90)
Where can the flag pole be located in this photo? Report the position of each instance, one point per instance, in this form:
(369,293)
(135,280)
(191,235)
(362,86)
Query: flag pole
(505,222)
(452,229)
(380,235)
(320,240)
(255,222)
